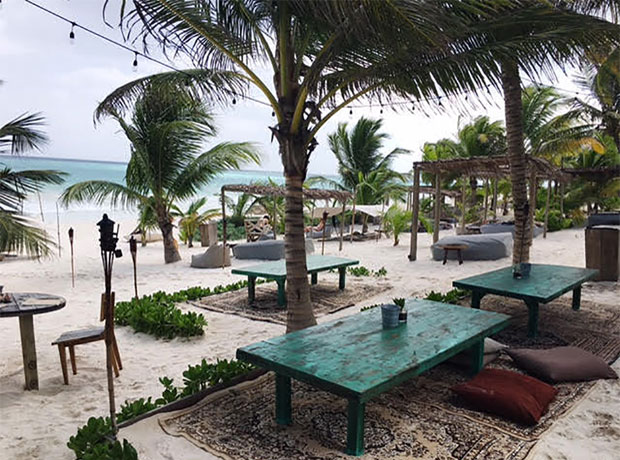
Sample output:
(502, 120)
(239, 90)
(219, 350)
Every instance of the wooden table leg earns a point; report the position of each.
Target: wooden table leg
(355, 428)
(251, 288)
(281, 293)
(342, 273)
(445, 256)
(63, 363)
(477, 357)
(460, 256)
(476, 297)
(577, 298)
(314, 278)
(29, 352)
(532, 323)
(283, 400)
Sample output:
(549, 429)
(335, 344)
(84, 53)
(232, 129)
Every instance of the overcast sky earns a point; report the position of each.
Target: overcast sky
(43, 72)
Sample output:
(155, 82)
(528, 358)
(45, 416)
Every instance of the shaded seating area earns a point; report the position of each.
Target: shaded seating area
(479, 247)
(488, 168)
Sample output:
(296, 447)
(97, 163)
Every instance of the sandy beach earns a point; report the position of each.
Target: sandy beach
(37, 424)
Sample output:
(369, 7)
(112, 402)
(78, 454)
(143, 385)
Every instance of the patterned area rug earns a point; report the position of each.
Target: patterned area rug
(326, 298)
(419, 419)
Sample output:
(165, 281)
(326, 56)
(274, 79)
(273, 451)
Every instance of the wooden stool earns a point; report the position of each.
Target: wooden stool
(453, 247)
(72, 338)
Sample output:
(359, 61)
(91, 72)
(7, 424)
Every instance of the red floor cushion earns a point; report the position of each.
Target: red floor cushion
(562, 364)
(517, 397)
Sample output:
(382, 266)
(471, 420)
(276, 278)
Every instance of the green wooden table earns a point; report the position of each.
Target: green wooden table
(545, 283)
(276, 270)
(354, 357)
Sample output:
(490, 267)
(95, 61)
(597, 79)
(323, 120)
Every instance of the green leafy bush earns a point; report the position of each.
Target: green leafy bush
(203, 375)
(453, 296)
(133, 409)
(358, 271)
(556, 220)
(94, 441)
(380, 273)
(233, 232)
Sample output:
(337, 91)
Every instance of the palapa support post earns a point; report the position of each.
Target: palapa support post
(486, 200)
(133, 249)
(437, 207)
(353, 215)
(72, 264)
(495, 181)
(381, 223)
(532, 213)
(108, 239)
(275, 218)
(223, 228)
(344, 208)
(464, 205)
(547, 209)
(415, 203)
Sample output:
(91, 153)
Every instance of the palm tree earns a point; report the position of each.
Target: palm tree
(551, 41)
(192, 218)
(167, 131)
(17, 233)
(325, 55)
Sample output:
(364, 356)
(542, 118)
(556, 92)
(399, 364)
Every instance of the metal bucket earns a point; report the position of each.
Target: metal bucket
(389, 315)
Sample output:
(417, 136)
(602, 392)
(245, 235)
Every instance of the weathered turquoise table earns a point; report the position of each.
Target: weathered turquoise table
(545, 283)
(354, 357)
(276, 270)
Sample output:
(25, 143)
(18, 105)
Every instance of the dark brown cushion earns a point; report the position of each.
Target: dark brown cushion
(517, 397)
(562, 364)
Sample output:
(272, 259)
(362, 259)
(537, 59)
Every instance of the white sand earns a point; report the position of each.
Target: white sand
(38, 424)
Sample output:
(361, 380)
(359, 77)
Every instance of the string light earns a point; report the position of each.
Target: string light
(72, 34)
(135, 62)
(234, 101)
(350, 111)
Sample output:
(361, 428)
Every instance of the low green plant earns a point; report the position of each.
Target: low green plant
(453, 296)
(370, 307)
(358, 271)
(203, 375)
(556, 221)
(94, 441)
(380, 273)
(399, 301)
(132, 409)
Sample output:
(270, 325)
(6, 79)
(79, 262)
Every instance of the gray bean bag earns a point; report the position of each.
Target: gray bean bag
(505, 228)
(211, 258)
(604, 218)
(266, 250)
(481, 247)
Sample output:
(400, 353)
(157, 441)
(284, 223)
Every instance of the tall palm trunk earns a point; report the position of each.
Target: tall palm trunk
(171, 248)
(300, 314)
(513, 107)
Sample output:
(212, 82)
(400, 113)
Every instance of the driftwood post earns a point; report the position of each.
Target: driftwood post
(495, 196)
(547, 208)
(353, 215)
(323, 239)
(486, 200)
(108, 239)
(72, 264)
(58, 230)
(133, 249)
(344, 208)
(415, 204)
(437, 207)
(223, 228)
(275, 217)
(532, 215)
(381, 223)
(464, 205)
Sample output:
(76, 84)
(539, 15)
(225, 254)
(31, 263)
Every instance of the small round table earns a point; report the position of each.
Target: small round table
(24, 305)
(453, 247)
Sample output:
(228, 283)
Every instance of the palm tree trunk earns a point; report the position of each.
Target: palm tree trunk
(300, 314)
(511, 84)
(171, 248)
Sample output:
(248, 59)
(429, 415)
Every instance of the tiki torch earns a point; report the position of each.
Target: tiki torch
(133, 248)
(72, 264)
(107, 241)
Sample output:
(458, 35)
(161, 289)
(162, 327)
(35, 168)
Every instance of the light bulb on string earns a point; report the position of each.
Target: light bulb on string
(381, 110)
(273, 114)
(234, 101)
(135, 62)
(350, 111)
(72, 34)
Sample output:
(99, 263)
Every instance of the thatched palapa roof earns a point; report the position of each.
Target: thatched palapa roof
(594, 174)
(309, 193)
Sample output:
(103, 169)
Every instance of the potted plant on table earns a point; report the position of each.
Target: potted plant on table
(402, 315)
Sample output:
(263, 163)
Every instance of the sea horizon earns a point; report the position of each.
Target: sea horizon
(44, 206)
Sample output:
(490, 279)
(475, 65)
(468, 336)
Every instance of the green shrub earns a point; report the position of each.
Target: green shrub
(94, 442)
(453, 296)
(358, 271)
(556, 220)
(233, 232)
(380, 273)
(203, 375)
(133, 409)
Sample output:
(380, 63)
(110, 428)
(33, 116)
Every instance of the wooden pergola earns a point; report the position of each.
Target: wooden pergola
(494, 167)
(274, 191)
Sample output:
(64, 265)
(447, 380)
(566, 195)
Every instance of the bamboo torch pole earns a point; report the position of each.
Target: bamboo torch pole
(72, 263)
(133, 248)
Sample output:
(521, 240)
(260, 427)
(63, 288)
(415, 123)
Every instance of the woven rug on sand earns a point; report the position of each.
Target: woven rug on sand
(419, 419)
(326, 298)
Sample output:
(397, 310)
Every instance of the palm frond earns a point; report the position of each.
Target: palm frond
(100, 192)
(23, 133)
(18, 234)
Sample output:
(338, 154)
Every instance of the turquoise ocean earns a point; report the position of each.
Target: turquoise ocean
(78, 171)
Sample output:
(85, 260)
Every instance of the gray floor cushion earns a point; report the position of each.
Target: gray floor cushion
(481, 247)
(506, 228)
(211, 258)
(265, 250)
